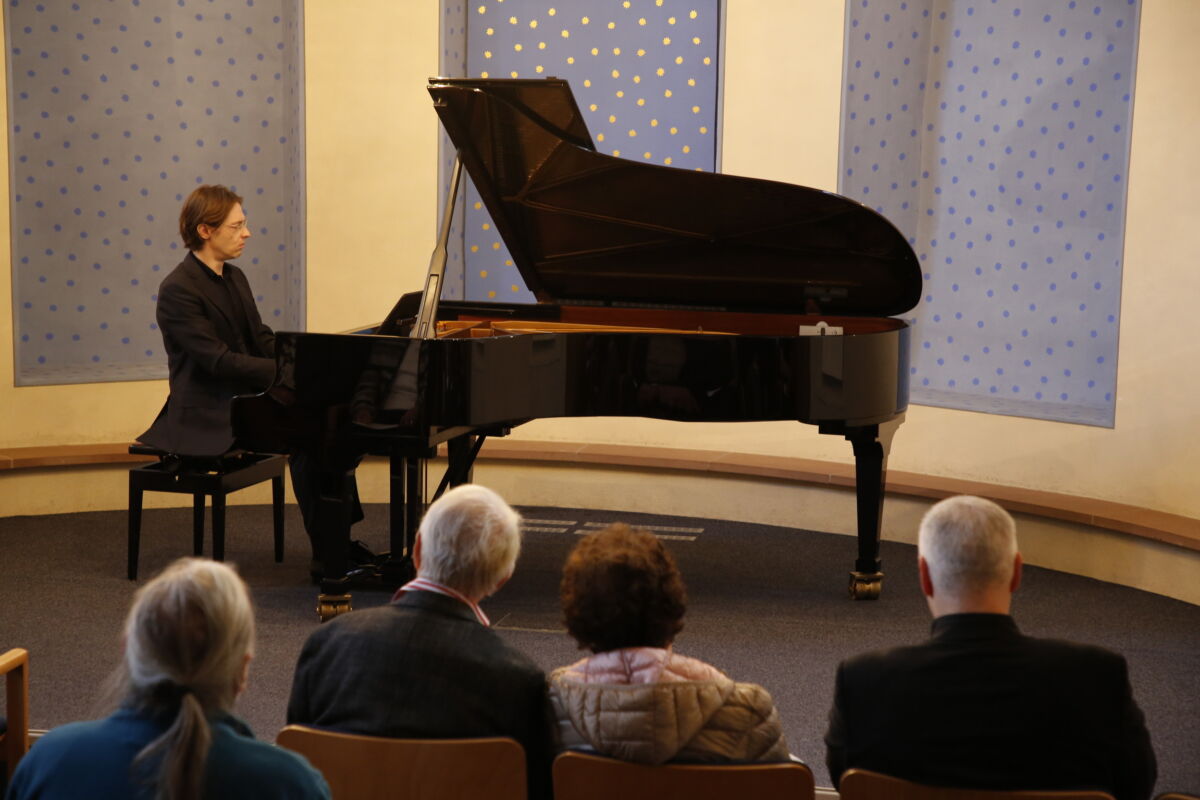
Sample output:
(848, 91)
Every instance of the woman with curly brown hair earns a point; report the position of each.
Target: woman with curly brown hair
(635, 698)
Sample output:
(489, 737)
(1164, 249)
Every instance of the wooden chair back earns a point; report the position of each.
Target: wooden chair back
(582, 776)
(375, 768)
(14, 743)
(861, 784)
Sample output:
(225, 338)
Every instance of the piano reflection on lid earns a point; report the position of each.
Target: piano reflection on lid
(662, 293)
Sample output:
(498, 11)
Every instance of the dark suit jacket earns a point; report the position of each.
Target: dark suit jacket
(982, 706)
(213, 353)
(423, 667)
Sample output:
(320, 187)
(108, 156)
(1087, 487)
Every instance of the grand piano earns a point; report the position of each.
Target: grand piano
(663, 293)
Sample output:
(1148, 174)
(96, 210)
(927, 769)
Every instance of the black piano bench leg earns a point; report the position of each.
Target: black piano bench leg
(218, 515)
(277, 515)
(198, 524)
(135, 529)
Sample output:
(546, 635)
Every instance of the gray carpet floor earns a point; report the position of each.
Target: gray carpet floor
(766, 604)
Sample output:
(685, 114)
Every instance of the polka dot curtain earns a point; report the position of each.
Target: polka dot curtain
(453, 48)
(644, 73)
(117, 111)
(995, 134)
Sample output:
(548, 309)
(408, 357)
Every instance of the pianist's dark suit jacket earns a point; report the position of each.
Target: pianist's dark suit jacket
(424, 667)
(982, 706)
(214, 351)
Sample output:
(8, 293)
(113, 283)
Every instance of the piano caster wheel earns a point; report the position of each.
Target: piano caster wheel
(865, 585)
(331, 605)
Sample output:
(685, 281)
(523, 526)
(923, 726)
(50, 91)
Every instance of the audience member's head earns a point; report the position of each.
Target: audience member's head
(188, 641)
(469, 540)
(621, 588)
(968, 557)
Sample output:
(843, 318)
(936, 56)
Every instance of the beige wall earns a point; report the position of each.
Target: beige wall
(372, 156)
(372, 204)
(371, 138)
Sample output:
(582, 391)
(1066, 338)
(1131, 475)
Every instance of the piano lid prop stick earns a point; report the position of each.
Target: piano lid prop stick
(437, 264)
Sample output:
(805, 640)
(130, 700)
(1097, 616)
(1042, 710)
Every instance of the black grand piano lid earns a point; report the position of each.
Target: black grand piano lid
(589, 228)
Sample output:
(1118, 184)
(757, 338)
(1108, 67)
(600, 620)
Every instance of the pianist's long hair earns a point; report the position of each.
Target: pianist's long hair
(188, 641)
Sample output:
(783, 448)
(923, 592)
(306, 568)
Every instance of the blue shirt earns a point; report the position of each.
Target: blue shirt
(92, 759)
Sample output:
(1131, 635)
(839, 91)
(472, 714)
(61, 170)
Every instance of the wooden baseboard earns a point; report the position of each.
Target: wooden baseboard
(1160, 526)
(68, 455)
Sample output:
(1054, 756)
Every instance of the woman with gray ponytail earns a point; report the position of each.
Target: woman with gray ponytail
(189, 638)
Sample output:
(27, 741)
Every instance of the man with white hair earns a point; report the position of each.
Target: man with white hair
(427, 665)
(981, 705)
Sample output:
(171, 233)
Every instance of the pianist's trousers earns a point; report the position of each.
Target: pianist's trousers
(327, 494)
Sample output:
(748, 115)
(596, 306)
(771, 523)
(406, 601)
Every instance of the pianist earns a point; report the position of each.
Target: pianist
(218, 347)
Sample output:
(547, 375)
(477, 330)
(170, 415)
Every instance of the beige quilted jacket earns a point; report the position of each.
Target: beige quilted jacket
(650, 706)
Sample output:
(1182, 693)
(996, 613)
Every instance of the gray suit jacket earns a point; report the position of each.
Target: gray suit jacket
(423, 667)
(213, 352)
(982, 706)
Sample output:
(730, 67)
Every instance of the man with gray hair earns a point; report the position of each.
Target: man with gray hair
(427, 665)
(981, 705)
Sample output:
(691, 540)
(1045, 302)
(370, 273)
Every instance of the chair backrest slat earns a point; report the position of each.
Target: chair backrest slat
(861, 784)
(14, 665)
(373, 767)
(582, 776)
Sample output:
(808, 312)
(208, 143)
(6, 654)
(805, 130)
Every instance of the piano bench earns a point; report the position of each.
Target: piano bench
(215, 477)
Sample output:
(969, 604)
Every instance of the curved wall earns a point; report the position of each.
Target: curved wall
(781, 122)
(371, 141)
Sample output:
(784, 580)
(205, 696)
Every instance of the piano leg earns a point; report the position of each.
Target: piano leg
(394, 568)
(407, 504)
(414, 505)
(397, 484)
(871, 444)
(407, 466)
(334, 520)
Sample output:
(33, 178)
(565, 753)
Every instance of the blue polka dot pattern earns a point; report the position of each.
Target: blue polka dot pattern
(645, 76)
(995, 134)
(118, 110)
(452, 43)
